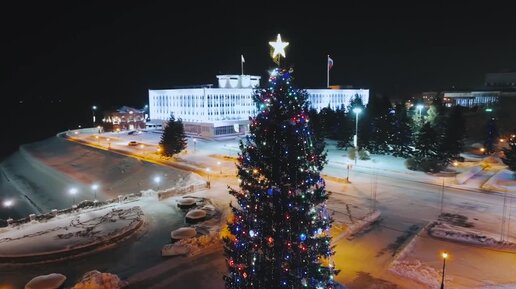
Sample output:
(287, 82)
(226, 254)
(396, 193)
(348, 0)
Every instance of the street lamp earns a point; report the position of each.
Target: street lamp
(208, 171)
(357, 111)
(194, 143)
(220, 168)
(94, 188)
(349, 167)
(7, 204)
(445, 256)
(109, 142)
(93, 108)
(419, 109)
(73, 192)
(157, 180)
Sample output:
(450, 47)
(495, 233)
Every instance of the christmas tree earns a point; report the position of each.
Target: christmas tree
(510, 155)
(173, 139)
(279, 233)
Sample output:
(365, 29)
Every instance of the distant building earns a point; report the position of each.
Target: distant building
(224, 111)
(501, 80)
(124, 118)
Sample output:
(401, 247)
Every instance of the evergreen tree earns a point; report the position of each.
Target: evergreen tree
(426, 155)
(173, 139)
(454, 133)
(379, 113)
(491, 136)
(401, 137)
(279, 232)
(510, 156)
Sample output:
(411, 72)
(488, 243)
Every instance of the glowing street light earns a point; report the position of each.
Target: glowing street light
(444, 255)
(220, 168)
(419, 109)
(357, 111)
(94, 188)
(208, 171)
(7, 204)
(73, 192)
(93, 109)
(157, 180)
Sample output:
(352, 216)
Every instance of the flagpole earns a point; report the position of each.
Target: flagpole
(328, 72)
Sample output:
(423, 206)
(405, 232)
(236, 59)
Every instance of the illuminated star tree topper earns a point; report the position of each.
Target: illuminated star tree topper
(278, 49)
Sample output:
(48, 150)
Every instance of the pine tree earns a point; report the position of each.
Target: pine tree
(454, 132)
(401, 137)
(279, 232)
(491, 136)
(380, 120)
(173, 139)
(510, 156)
(426, 155)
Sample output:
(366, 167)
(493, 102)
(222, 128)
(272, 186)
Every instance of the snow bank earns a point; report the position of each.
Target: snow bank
(502, 181)
(98, 280)
(186, 202)
(183, 233)
(359, 225)
(68, 234)
(466, 235)
(50, 281)
(468, 174)
(195, 215)
(416, 271)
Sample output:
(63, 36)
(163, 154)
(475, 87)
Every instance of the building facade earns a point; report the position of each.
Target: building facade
(124, 118)
(224, 111)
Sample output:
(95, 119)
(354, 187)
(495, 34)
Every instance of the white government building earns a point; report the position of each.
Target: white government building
(223, 112)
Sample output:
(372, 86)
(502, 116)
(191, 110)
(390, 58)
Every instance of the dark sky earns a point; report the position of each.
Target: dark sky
(96, 52)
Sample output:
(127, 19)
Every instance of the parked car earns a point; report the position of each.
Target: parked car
(132, 143)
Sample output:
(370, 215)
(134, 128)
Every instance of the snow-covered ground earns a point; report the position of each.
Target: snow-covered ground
(408, 201)
(77, 232)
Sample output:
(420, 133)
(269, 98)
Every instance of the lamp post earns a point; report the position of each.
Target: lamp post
(93, 108)
(357, 111)
(94, 188)
(208, 171)
(220, 168)
(7, 204)
(109, 142)
(73, 192)
(157, 180)
(445, 256)
(194, 143)
(419, 109)
(349, 167)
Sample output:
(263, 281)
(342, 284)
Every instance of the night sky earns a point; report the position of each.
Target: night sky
(109, 54)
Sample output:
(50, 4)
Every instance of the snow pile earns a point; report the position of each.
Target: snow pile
(468, 174)
(502, 181)
(68, 233)
(50, 281)
(195, 215)
(186, 202)
(359, 225)
(97, 280)
(195, 245)
(416, 271)
(465, 235)
(183, 233)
